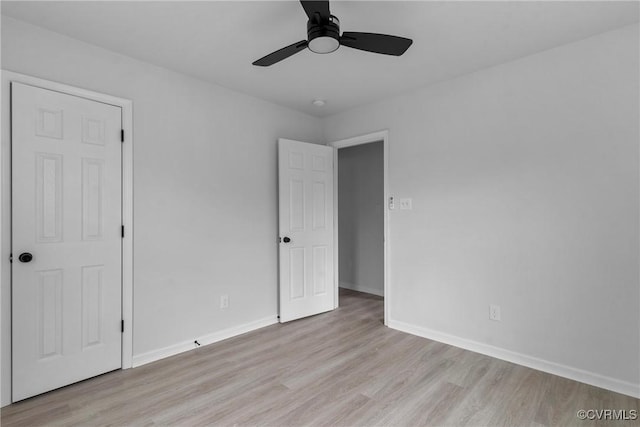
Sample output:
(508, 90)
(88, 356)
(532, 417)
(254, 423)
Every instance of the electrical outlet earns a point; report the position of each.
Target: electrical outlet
(224, 301)
(392, 204)
(406, 204)
(494, 312)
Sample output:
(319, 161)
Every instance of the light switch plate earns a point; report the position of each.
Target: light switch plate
(406, 204)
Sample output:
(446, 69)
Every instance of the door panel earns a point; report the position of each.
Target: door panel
(306, 218)
(66, 211)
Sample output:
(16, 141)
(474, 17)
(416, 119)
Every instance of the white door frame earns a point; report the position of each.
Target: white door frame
(127, 192)
(383, 136)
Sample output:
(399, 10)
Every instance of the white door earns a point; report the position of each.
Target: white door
(66, 213)
(306, 229)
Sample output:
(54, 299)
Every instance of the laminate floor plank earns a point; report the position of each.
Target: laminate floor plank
(341, 368)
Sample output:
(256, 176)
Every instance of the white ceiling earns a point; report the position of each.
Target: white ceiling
(217, 41)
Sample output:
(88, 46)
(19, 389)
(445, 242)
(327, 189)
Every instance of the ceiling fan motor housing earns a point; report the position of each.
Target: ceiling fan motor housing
(323, 37)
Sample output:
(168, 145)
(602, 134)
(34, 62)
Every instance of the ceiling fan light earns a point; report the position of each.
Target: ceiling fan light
(323, 44)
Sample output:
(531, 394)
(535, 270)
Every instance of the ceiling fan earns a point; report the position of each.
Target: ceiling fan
(323, 36)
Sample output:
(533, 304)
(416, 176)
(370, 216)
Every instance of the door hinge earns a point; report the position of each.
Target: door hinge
(122, 231)
(11, 258)
(121, 135)
(122, 325)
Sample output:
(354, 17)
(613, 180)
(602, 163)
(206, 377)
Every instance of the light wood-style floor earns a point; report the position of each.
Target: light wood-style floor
(342, 368)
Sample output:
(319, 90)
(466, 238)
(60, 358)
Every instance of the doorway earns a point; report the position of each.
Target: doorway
(361, 216)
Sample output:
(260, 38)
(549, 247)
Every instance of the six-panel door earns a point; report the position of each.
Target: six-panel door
(66, 213)
(306, 229)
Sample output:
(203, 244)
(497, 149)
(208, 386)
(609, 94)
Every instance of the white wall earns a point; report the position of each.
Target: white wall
(525, 187)
(361, 217)
(204, 188)
(524, 179)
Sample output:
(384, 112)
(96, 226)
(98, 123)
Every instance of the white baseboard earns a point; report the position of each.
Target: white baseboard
(597, 380)
(355, 287)
(152, 356)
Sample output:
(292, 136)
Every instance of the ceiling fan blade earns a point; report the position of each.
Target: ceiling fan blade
(378, 43)
(313, 7)
(281, 54)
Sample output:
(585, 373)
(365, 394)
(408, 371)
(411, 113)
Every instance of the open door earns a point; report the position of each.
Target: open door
(306, 229)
